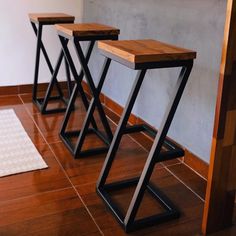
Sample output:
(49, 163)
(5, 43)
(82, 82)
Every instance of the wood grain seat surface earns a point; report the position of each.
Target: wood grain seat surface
(51, 18)
(143, 51)
(86, 30)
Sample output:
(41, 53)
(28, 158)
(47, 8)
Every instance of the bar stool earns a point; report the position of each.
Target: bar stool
(78, 33)
(142, 55)
(43, 19)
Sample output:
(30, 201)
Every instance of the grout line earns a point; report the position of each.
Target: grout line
(194, 171)
(184, 184)
(146, 150)
(10, 95)
(171, 165)
(88, 211)
(56, 142)
(34, 195)
(166, 166)
(90, 214)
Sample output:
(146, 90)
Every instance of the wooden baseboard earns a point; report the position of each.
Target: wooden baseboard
(196, 163)
(114, 110)
(26, 88)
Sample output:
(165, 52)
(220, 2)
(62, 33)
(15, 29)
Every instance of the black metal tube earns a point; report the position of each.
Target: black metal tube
(37, 59)
(93, 89)
(77, 87)
(119, 131)
(91, 109)
(156, 147)
(68, 77)
(52, 82)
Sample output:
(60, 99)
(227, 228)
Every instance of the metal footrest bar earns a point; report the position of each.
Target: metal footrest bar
(171, 211)
(39, 103)
(68, 135)
(172, 150)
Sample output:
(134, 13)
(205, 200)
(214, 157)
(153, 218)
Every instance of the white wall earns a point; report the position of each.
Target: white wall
(194, 24)
(18, 42)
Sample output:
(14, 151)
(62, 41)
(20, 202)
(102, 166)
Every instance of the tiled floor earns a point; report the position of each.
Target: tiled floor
(61, 200)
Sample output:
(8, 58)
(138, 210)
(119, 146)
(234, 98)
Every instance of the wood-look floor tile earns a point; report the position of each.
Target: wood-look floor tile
(50, 124)
(27, 98)
(8, 101)
(30, 106)
(191, 179)
(52, 213)
(129, 162)
(30, 183)
(37, 203)
(190, 206)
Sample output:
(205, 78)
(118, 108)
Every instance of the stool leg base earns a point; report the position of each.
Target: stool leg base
(66, 138)
(39, 103)
(171, 211)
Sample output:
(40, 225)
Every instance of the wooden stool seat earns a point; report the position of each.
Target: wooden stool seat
(51, 18)
(132, 52)
(86, 30)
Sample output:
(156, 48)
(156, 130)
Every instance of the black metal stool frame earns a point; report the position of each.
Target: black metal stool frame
(142, 183)
(94, 103)
(42, 103)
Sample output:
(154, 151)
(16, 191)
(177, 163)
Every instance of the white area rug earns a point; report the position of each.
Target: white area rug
(17, 152)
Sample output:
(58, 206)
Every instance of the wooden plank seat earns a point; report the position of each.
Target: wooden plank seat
(51, 18)
(133, 52)
(86, 30)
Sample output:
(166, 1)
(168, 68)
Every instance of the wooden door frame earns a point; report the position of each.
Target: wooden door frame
(220, 194)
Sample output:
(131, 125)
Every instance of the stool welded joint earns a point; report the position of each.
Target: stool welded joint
(142, 55)
(38, 20)
(77, 33)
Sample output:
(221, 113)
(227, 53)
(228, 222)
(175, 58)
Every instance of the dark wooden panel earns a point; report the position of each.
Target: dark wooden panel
(221, 186)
